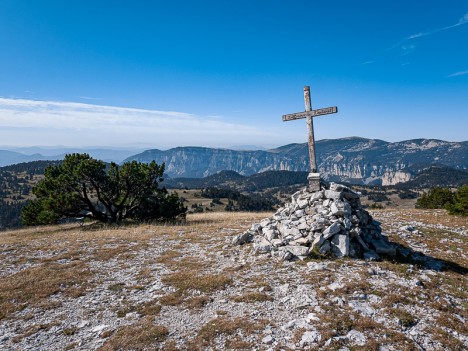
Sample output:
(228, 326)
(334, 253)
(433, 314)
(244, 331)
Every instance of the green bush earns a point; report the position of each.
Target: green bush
(435, 198)
(459, 205)
(85, 187)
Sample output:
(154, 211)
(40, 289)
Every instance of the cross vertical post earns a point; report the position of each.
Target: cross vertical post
(310, 127)
(314, 176)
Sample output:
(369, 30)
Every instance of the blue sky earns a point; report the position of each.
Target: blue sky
(217, 73)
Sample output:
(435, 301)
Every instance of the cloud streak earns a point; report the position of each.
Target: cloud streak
(460, 22)
(79, 124)
(463, 20)
(461, 73)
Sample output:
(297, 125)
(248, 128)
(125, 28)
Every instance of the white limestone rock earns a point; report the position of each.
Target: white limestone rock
(335, 228)
(297, 250)
(309, 338)
(331, 220)
(262, 246)
(334, 195)
(243, 238)
(340, 208)
(268, 340)
(318, 195)
(318, 241)
(340, 245)
(269, 234)
(256, 227)
(301, 204)
(347, 224)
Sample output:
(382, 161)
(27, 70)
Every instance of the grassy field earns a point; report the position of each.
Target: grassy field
(183, 287)
(193, 199)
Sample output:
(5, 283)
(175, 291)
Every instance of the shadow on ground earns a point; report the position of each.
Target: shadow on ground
(407, 255)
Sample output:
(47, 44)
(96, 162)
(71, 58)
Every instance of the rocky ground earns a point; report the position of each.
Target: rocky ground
(184, 287)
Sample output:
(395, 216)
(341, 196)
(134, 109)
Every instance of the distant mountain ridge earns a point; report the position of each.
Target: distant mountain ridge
(426, 178)
(233, 180)
(13, 156)
(354, 160)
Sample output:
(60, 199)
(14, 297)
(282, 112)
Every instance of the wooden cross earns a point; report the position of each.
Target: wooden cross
(314, 176)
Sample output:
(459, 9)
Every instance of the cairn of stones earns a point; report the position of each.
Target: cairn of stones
(330, 222)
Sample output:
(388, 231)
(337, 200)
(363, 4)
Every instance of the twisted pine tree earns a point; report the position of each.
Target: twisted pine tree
(85, 187)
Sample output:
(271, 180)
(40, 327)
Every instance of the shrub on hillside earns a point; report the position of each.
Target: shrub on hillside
(407, 194)
(459, 205)
(435, 198)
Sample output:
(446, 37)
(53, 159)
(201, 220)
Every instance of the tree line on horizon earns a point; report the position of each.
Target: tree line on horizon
(66, 185)
(456, 203)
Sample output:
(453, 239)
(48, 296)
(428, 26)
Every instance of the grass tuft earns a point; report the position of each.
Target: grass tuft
(185, 281)
(141, 336)
(252, 297)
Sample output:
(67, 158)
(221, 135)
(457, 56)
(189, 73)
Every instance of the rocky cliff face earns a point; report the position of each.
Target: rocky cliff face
(355, 160)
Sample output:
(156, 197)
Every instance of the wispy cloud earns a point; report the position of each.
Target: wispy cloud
(402, 43)
(407, 49)
(461, 73)
(51, 122)
(460, 22)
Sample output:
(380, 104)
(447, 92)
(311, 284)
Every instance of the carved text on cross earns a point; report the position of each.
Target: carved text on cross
(309, 114)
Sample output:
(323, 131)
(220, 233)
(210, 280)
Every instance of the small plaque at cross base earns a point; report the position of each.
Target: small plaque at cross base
(314, 182)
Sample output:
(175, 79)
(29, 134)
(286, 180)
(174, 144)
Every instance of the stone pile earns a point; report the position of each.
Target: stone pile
(330, 221)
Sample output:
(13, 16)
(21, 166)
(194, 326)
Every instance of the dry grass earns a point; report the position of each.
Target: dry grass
(189, 282)
(34, 285)
(141, 336)
(69, 255)
(52, 260)
(432, 217)
(185, 281)
(223, 326)
(58, 254)
(448, 320)
(150, 308)
(405, 319)
(258, 282)
(353, 286)
(204, 225)
(252, 297)
(168, 256)
(448, 340)
(108, 253)
(173, 299)
(197, 302)
(335, 322)
(393, 298)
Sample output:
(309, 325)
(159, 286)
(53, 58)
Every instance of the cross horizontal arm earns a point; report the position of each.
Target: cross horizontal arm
(297, 115)
(312, 113)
